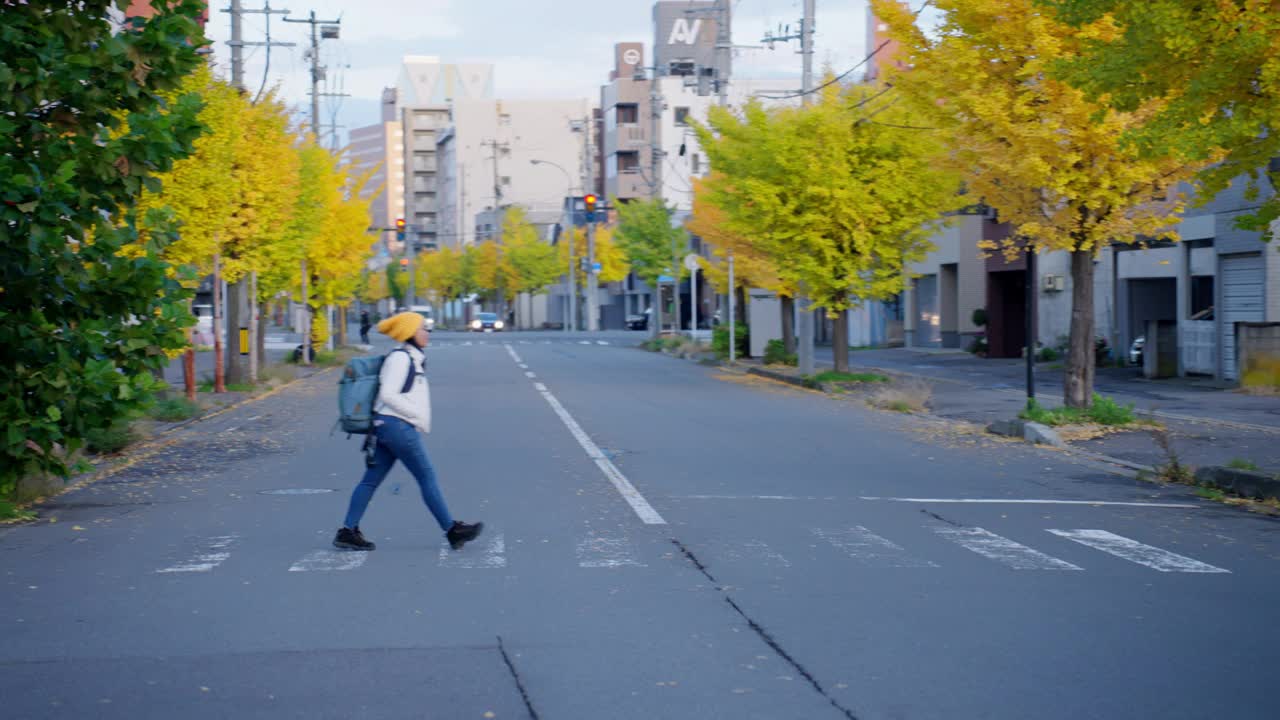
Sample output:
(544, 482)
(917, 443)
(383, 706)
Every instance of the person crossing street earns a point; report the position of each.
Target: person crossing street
(402, 411)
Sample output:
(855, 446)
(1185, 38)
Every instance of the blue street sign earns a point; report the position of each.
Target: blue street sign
(595, 267)
(665, 278)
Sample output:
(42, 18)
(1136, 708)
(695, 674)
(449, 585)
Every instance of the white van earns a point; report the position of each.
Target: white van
(425, 311)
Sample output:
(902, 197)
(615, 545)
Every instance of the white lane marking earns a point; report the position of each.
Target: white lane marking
(752, 497)
(330, 561)
(1007, 501)
(870, 549)
(529, 374)
(512, 352)
(606, 552)
(602, 342)
(211, 556)
(523, 366)
(624, 487)
(493, 555)
(1136, 552)
(584, 342)
(1003, 550)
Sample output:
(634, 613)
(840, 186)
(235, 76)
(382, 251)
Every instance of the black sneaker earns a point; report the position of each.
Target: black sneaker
(462, 533)
(349, 539)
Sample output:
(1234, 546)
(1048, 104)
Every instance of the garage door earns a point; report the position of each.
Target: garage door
(1241, 302)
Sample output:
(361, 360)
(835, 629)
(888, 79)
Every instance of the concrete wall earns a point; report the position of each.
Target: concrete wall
(960, 267)
(525, 130)
(1259, 347)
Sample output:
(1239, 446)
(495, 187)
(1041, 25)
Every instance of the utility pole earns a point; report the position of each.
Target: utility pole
(241, 300)
(497, 147)
(593, 279)
(317, 73)
(804, 352)
(329, 31)
(656, 155)
(724, 50)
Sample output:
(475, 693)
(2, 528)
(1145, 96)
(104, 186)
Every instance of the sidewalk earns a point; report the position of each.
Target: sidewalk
(1207, 425)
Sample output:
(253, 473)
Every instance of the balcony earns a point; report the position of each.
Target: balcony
(632, 137)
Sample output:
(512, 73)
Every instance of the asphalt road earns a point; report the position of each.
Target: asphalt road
(663, 540)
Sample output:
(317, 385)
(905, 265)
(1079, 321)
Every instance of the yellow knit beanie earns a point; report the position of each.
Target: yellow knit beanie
(401, 327)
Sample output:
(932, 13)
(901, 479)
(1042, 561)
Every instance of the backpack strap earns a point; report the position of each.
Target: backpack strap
(413, 371)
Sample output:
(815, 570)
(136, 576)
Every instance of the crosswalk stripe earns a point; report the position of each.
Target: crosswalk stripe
(1136, 552)
(330, 561)
(1003, 550)
(754, 551)
(870, 549)
(492, 556)
(606, 552)
(211, 556)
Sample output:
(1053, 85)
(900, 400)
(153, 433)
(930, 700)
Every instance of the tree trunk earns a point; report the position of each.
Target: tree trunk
(788, 306)
(840, 340)
(189, 360)
(219, 378)
(342, 325)
(237, 297)
(189, 373)
(1078, 387)
(264, 311)
(740, 305)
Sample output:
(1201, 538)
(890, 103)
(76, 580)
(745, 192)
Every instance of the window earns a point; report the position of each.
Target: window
(506, 179)
(628, 113)
(697, 164)
(1201, 297)
(682, 116)
(504, 119)
(628, 162)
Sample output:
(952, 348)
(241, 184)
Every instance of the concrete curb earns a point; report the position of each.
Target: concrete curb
(1244, 483)
(1032, 432)
(785, 378)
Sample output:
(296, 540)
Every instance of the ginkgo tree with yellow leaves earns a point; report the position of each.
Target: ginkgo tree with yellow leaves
(752, 268)
(835, 197)
(1053, 163)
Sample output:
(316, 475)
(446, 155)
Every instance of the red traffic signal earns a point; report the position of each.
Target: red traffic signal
(399, 224)
(404, 262)
(590, 201)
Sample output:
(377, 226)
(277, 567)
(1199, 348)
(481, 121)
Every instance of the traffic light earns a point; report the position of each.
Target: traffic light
(399, 229)
(590, 202)
(404, 262)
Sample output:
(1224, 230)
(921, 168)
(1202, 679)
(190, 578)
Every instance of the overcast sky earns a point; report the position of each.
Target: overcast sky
(540, 48)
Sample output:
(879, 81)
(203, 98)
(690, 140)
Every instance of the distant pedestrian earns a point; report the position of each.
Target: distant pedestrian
(365, 324)
(403, 408)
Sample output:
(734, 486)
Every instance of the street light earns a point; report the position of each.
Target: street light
(571, 309)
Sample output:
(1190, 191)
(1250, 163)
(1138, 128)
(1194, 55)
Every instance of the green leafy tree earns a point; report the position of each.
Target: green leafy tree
(844, 204)
(531, 264)
(87, 123)
(1053, 162)
(653, 247)
(1213, 68)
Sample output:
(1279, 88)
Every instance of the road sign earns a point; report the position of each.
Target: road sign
(665, 278)
(595, 267)
(691, 262)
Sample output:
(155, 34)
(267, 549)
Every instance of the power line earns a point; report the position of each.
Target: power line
(846, 73)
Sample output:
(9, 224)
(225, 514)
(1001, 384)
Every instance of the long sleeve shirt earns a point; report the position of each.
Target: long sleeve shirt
(414, 406)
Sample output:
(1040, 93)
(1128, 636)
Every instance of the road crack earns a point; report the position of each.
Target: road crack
(515, 675)
(764, 634)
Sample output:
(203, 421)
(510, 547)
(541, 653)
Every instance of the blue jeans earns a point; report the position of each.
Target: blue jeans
(398, 440)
